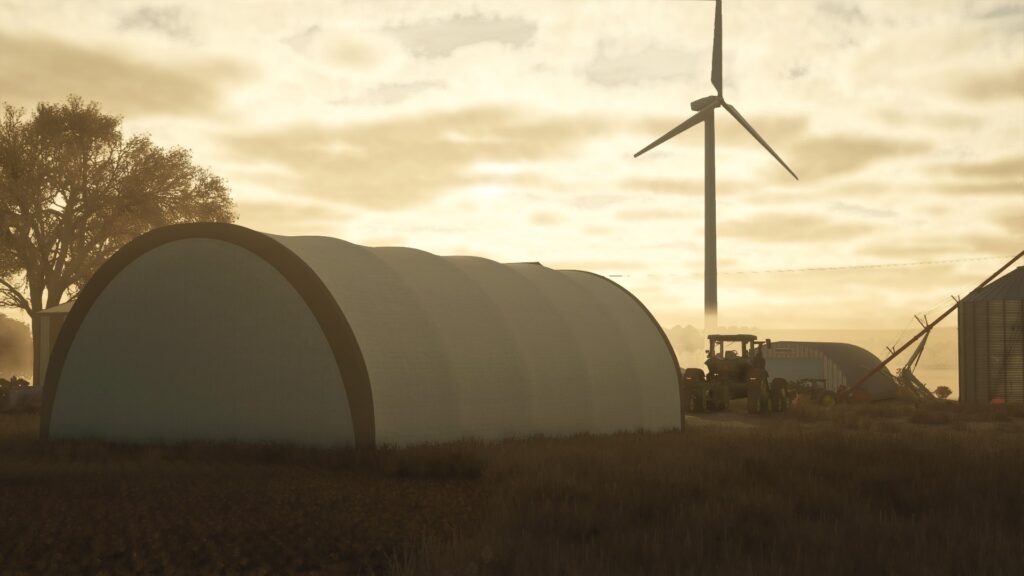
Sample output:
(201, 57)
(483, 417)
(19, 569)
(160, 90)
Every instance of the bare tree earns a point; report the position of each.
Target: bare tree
(73, 190)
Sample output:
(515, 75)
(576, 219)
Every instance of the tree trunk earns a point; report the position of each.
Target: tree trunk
(35, 292)
(53, 295)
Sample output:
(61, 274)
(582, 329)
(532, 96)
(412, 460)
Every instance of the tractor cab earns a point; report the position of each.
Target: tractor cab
(731, 356)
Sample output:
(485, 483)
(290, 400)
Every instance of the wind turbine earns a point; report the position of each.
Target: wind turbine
(705, 112)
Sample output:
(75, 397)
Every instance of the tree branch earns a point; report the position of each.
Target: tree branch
(14, 296)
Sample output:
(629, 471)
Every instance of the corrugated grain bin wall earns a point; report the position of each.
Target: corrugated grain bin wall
(991, 329)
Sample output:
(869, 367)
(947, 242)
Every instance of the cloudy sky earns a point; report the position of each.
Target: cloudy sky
(506, 130)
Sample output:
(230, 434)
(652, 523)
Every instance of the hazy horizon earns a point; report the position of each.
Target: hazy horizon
(506, 130)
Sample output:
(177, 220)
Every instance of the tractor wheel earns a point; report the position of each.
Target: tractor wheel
(753, 404)
(698, 402)
(717, 398)
(777, 392)
(783, 403)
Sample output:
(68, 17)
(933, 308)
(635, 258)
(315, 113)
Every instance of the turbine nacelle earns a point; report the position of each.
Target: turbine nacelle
(702, 103)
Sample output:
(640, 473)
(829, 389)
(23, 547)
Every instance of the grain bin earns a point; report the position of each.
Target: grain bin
(992, 342)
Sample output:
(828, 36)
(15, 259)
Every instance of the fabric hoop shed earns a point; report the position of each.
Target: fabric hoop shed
(219, 332)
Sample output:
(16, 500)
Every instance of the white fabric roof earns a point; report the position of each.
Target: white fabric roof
(426, 348)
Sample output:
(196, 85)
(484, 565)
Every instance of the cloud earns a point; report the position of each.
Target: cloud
(996, 177)
(1011, 219)
(47, 69)
(777, 226)
(990, 85)
(290, 217)
(798, 71)
(597, 201)
(302, 40)
(345, 51)
(1008, 188)
(598, 230)
(1008, 168)
(435, 38)
(823, 157)
(843, 12)
(1004, 11)
(166, 20)
(391, 92)
(937, 246)
(349, 53)
(861, 210)
(399, 162)
(609, 68)
(646, 214)
(546, 219)
(688, 187)
(989, 242)
(945, 119)
(906, 248)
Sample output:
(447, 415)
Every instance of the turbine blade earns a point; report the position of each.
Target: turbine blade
(716, 52)
(736, 114)
(689, 123)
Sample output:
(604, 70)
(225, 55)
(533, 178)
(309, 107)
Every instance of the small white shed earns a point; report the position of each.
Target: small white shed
(46, 325)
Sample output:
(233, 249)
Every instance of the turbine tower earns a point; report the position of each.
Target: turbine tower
(705, 112)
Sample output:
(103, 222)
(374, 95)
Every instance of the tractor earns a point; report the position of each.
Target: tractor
(735, 369)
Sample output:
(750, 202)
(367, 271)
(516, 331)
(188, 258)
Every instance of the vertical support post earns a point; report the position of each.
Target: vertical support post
(37, 345)
(710, 230)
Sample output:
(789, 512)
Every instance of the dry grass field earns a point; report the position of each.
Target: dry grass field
(880, 489)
